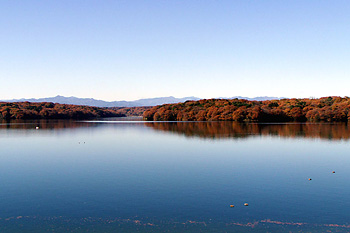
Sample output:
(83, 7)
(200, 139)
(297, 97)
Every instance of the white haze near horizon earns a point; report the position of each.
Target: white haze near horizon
(129, 50)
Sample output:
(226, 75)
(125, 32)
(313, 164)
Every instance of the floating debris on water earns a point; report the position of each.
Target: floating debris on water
(245, 204)
(232, 206)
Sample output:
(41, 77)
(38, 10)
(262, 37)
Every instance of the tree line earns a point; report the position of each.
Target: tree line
(327, 109)
(130, 111)
(47, 110)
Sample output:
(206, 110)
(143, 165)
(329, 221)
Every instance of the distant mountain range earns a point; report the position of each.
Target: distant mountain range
(136, 103)
(260, 98)
(101, 103)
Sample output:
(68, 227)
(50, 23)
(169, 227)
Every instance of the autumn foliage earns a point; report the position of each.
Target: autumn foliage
(130, 111)
(46, 110)
(328, 109)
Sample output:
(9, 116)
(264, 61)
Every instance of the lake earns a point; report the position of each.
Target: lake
(124, 175)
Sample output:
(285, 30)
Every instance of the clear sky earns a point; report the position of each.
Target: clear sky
(128, 49)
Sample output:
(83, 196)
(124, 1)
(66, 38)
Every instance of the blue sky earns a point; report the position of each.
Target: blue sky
(126, 50)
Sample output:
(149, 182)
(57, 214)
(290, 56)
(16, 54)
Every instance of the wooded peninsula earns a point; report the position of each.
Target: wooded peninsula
(326, 109)
(47, 110)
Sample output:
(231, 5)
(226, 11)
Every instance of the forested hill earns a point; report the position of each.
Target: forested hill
(130, 111)
(329, 109)
(46, 110)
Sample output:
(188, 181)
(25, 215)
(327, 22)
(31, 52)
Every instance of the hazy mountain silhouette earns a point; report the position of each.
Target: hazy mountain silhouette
(136, 103)
(101, 103)
(260, 98)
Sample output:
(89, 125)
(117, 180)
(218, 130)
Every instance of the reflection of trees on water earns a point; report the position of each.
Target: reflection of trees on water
(42, 124)
(237, 130)
(224, 129)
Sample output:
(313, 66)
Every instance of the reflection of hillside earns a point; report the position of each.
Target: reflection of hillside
(236, 130)
(42, 124)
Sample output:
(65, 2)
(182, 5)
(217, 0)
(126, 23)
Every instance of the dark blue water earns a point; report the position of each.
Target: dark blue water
(173, 177)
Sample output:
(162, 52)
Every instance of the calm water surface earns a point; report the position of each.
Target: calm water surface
(131, 176)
